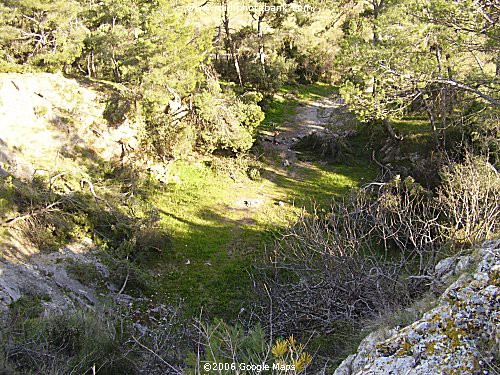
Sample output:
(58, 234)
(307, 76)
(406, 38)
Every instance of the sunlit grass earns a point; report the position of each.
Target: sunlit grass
(216, 238)
(416, 133)
(308, 93)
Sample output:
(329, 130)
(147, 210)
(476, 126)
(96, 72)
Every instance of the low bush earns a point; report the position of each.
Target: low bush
(62, 343)
(231, 345)
(126, 230)
(214, 120)
(334, 147)
(376, 249)
(226, 122)
(354, 261)
(86, 273)
(236, 167)
(468, 197)
(112, 341)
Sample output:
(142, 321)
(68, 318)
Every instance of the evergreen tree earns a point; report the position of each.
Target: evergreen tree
(430, 52)
(41, 34)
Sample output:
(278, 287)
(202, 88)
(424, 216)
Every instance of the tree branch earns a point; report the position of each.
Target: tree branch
(463, 86)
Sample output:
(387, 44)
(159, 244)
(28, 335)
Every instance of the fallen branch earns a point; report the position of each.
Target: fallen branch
(156, 355)
(49, 208)
(91, 187)
(463, 86)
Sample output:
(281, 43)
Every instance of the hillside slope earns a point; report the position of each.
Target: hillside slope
(46, 117)
(51, 129)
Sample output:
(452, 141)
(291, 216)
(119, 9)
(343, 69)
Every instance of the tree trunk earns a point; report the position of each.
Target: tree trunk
(432, 120)
(230, 44)
(261, 39)
(390, 130)
(89, 71)
(377, 6)
(444, 117)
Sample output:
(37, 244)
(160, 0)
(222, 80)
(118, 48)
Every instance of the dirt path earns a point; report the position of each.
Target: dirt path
(282, 159)
(309, 118)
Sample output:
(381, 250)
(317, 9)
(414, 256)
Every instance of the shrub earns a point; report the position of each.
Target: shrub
(40, 217)
(226, 122)
(86, 273)
(168, 139)
(29, 306)
(235, 167)
(334, 146)
(216, 120)
(118, 106)
(483, 128)
(228, 345)
(377, 248)
(253, 174)
(66, 342)
(276, 72)
(315, 63)
(468, 196)
(125, 273)
(355, 261)
(126, 230)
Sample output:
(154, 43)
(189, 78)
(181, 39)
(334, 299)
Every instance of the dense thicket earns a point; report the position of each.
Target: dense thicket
(435, 57)
(393, 57)
(150, 50)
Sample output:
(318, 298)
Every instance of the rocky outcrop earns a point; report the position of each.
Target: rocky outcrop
(56, 128)
(46, 275)
(460, 335)
(46, 118)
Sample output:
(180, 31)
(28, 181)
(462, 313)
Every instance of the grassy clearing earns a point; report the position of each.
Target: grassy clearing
(220, 225)
(216, 237)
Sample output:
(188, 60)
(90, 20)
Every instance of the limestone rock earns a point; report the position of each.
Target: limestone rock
(447, 338)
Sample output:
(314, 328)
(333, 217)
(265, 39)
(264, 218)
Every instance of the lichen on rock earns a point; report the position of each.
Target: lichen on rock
(459, 336)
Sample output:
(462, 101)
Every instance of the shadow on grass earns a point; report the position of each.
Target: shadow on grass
(210, 266)
(214, 248)
(310, 183)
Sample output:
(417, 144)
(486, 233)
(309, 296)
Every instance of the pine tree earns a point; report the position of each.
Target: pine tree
(40, 34)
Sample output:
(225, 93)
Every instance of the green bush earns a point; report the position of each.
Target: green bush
(483, 128)
(29, 306)
(226, 122)
(314, 63)
(35, 209)
(67, 342)
(228, 345)
(118, 106)
(276, 72)
(225, 343)
(235, 167)
(86, 273)
(7, 190)
(29, 23)
(168, 139)
(218, 120)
